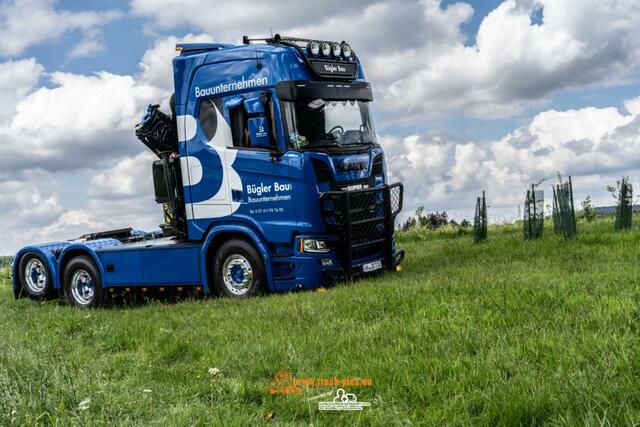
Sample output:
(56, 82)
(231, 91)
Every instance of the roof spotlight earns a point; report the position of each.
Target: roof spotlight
(313, 47)
(336, 49)
(346, 50)
(326, 49)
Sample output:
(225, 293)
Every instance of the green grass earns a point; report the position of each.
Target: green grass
(501, 332)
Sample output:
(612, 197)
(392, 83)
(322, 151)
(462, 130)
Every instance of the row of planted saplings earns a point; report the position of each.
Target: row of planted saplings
(563, 210)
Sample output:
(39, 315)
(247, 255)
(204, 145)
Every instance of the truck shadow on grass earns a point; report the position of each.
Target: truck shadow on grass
(130, 299)
(135, 298)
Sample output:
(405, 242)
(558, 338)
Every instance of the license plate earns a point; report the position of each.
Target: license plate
(372, 266)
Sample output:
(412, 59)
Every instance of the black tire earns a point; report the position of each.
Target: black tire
(81, 271)
(38, 283)
(242, 258)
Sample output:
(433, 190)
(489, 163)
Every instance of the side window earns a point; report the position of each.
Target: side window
(209, 118)
(239, 127)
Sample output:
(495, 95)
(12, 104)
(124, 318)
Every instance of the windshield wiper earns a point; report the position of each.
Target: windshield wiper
(328, 139)
(362, 141)
(328, 144)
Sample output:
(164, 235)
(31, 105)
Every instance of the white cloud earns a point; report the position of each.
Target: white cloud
(28, 22)
(25, 205)
(35, 208)
(515, 64)
(89, 104)
(78, 123)
(226, 18)
(397, 26)
(633, 106)
(129, 178)
(89, 46)
(595, 145)
(119, 196)
(17, 78)
(468, 163)
(586, 141)
(90, 116)
(75, 124)
(156, 65)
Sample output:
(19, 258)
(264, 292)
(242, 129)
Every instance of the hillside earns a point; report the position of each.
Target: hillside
(502, 332)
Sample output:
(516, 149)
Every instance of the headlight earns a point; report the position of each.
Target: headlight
(326, 49)
(314, 47)
(313, 245)
(346, 50)
(336, 49)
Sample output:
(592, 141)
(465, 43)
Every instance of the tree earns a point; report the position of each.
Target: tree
(430, 221)
(623, 194)
(409, 224)
(434, 220)
(588, 211)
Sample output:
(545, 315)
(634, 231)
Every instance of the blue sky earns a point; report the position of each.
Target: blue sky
(470, 95)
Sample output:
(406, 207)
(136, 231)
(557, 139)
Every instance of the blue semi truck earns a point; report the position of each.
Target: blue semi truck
(269, 176)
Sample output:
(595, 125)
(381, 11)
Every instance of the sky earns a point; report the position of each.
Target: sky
(469, 96)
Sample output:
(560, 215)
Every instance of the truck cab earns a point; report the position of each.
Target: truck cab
(269, 173)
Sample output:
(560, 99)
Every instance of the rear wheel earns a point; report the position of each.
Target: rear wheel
(35, 276)
(82, 283)
(238, 270)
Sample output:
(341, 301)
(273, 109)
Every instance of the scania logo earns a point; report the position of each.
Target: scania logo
(352, 166)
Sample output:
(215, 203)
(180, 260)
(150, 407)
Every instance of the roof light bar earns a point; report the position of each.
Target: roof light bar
(313, 47)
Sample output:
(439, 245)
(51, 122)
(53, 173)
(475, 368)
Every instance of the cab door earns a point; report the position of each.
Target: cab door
(211, 171)
(266, 194)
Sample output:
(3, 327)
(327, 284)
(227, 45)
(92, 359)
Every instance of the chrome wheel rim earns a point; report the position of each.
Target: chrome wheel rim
(237, 274)
(82, 287)
(35, 275)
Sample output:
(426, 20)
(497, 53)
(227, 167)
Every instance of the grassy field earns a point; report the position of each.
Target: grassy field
(502, 332)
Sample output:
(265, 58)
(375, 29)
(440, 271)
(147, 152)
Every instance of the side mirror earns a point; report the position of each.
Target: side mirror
(160, 181)
(254, 106)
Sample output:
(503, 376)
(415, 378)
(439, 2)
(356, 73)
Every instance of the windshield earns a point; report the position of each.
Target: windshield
(321, 123)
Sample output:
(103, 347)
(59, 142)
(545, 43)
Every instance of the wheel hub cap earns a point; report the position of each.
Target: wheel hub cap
(237, 274)
(35, 275)
(82, 287)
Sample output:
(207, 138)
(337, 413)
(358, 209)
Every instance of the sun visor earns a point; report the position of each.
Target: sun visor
(297, 90)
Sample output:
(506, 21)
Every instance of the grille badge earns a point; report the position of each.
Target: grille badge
(344, 166)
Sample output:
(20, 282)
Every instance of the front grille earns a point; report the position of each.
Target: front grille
(368, 251)
(363, 221)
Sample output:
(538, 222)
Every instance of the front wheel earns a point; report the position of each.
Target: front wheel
(238, 270)
(82, 284)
